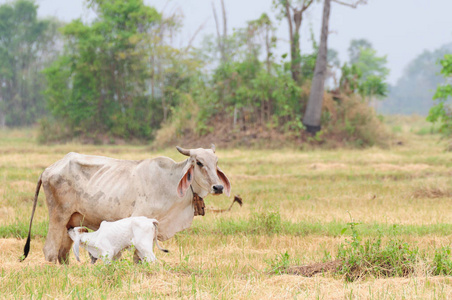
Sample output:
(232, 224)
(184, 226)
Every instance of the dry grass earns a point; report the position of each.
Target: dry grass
(437, 190)
(223, 255)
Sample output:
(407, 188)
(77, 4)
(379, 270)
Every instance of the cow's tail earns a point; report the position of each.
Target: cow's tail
(74, 234)
(27, 244)
(156, 225)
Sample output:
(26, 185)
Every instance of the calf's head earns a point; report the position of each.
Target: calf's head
(203, 173)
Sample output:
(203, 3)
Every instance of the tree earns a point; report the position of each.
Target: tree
(355, 48)
(294, 16)
(442, 112)
(99, 85)
(366, 72)
(26, 47)
(311, 119)
(313, 112)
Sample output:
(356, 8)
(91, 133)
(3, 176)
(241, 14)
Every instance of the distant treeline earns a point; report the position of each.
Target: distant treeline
(119, 76)
(413, 92)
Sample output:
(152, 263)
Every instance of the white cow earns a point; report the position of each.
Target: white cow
(113, 237)
(84, 190)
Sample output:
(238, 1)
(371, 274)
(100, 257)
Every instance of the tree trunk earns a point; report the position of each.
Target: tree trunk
(294, 35)
(313, 112)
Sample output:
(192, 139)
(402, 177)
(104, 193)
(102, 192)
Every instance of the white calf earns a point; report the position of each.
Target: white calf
(113, 237)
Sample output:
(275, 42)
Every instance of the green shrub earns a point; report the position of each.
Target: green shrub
(371, 258)
(279, 264)
(442, 263)
(266, 222)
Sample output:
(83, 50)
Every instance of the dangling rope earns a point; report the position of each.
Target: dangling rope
(198, 204)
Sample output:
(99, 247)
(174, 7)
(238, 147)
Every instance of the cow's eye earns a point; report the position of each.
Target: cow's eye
(199, 164)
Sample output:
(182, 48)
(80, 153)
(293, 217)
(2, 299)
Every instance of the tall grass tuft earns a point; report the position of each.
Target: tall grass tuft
(371, 258)
(442, 262)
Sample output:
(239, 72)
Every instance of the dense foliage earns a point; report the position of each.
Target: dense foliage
(365, 73)
(442, 111)
(27, 45)
(98, 84)
(120, 77)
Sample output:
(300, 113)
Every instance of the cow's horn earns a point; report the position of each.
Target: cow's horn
(183, 151)
(212, 147)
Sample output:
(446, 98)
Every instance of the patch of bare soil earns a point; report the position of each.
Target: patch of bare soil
(224, 134)
(313, 269)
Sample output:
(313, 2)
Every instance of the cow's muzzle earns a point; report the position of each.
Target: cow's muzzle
(217, 189)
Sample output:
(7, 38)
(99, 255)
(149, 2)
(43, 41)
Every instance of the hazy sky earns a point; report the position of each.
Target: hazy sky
(400, 29)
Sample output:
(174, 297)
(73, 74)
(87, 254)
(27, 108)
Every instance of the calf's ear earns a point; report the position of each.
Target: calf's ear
(82, 230)
(225, 180)
(185, 181)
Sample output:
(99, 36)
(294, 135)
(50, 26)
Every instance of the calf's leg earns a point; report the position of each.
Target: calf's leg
(93, 259)
(136, 257)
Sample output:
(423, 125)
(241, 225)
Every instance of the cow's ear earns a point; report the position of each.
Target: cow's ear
(225, 180)
(185, 181)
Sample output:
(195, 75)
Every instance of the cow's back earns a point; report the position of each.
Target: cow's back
(97, 187)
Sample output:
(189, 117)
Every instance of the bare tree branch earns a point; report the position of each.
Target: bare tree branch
(195, 34)
(352, 5)
(220, 39)
(225, 27)
(288, 4)
(305, 6)
(289, 20)
(216, 20)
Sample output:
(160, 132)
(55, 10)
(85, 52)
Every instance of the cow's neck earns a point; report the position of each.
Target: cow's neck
(196, 188)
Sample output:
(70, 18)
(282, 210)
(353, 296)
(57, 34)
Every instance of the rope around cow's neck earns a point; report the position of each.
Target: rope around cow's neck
(198, 204)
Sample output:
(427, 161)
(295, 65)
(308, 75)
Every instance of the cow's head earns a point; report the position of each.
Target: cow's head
(203, 173)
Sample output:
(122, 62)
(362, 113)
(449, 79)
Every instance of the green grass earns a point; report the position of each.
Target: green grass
(268, 223)
(20, 230)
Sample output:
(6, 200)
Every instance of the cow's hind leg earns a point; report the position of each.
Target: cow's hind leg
(53, 241)
(65, 249)
(58, 243)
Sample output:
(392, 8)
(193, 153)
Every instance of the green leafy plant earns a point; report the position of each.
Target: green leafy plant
(442, 112)
(279, 264)
(442, 262)
(371, 258)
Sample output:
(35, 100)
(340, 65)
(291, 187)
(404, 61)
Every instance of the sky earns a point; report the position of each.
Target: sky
(399, 29)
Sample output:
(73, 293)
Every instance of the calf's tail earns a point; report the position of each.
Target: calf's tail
(156, 225)
(27, 244)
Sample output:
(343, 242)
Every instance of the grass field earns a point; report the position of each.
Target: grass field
(296, 205)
